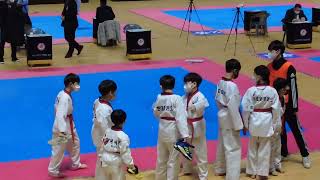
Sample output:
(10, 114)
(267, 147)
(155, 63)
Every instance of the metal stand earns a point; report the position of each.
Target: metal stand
(236, 23)
(191, 8)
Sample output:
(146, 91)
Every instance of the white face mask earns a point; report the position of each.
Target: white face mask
(187, 88)
(272, 55)
(76, 88)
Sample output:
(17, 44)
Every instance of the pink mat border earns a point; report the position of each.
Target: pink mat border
(157, 14)
(37, 169)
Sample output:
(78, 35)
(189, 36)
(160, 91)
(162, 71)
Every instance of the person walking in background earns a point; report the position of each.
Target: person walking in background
(70, 24)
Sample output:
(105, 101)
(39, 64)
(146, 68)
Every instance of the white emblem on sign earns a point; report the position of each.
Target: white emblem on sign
(141, 42)
(41, 46)
(303, 32)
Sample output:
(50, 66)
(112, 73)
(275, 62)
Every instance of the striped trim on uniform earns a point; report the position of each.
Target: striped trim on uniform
(294, 90)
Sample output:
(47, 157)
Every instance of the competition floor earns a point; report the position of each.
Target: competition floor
(218, 17)
(29, 97)
(28, 94)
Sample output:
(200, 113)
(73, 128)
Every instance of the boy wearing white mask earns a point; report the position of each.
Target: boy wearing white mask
(195, 103)
(261, 112)
(64, 127)
(228, 99)
(102, 110)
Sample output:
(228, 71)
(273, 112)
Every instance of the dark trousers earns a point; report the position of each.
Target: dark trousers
(295, 127)
(70, 35)
(13, 50)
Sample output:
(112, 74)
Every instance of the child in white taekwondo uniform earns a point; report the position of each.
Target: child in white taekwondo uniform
(195, 103)
(281, 85)
(64, 127)
(261, 111)
(115, 151)
(228, 157)
(102, 110)
(172, 115)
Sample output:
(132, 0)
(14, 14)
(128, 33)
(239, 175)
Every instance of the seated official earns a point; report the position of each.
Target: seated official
(108, 29)
(104, 12)
(295, 14)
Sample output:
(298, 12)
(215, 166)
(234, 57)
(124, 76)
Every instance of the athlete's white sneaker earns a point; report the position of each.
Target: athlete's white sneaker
(306, 162)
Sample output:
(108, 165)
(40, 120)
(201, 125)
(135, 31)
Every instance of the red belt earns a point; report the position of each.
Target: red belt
(263, 110)
(70, 116)
(168, 118)
(190, 122)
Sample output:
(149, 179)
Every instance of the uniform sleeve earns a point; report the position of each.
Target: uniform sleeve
(201, 104)
(125, 152)
(181, 118)
(233, 107)
(276, 111)
(103, 118)
(156, 112)
(61, 113)
(293, 93)
(247, 108)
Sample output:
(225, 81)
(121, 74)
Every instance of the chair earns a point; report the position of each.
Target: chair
(259, 22)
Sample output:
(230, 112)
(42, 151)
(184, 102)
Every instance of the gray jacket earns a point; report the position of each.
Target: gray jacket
(108, 30)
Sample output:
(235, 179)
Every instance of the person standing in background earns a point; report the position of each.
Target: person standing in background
(14, 31)
(70, 24)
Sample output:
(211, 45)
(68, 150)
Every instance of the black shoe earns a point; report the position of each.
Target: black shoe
(80, 49)
(68, 55)
(114, 42)
(1, 61)
(15, 59)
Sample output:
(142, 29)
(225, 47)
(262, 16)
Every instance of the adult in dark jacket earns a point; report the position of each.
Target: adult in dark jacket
(104, 12)
(277, 67)
(14, 28)
(294, 14)
(70, 24)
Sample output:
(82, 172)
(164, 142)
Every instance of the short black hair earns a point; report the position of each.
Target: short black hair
(71, 78)
(232, 64)
(167, 82)
(264, 72)
(107, 86)
(277, 45)
(193, 77)
(103, 1)
(297, 6)
(118, 117)
(280, 83)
